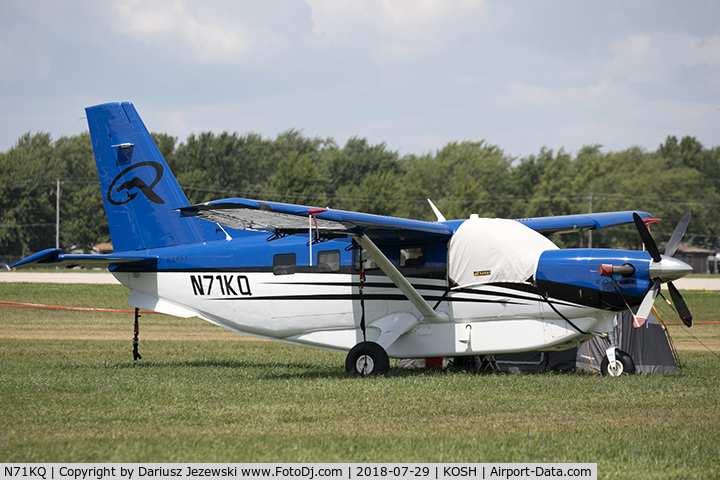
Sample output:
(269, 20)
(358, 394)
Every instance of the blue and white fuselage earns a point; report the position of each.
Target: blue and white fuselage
(372, 285)
(233, 284)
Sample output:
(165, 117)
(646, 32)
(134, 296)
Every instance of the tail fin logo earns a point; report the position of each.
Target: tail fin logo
(128, 190)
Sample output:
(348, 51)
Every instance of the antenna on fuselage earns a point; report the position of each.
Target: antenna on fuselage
(440, 216)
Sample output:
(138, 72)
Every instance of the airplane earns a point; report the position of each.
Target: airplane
(374, 286)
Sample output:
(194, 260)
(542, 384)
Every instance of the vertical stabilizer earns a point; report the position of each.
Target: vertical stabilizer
(139, 191)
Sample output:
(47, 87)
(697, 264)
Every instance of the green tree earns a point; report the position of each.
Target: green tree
(82, 216)
(296, 180)
(27, 195)
(377, 193)
(360, 176)
(687, 179)
(554, 193)
(166, 145)
(357, 159)
(461, 179)
(209, 166)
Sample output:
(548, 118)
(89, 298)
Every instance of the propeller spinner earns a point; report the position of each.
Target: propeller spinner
(664, 268)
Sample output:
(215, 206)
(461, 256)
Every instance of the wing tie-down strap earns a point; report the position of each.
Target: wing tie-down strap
(547, 300)
(136, 355)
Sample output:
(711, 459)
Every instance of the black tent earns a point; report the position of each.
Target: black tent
(649, 346)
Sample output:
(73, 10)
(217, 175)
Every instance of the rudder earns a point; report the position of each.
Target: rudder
(140, 193)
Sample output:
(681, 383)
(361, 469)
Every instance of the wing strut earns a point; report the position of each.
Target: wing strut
(399, 280)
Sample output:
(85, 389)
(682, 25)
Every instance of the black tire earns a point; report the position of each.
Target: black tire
(626, 366)
(367, 358)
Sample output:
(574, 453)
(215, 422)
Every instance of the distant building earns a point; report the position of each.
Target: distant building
(103, 247)
(697, 258)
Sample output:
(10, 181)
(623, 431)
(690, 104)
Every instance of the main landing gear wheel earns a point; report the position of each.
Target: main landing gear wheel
(624, 365)
(367, 358)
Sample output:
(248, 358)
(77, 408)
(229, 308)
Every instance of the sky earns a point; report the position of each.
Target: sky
(412, 74)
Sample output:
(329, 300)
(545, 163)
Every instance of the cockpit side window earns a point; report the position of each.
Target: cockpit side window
(367, 262)
(284, 264)
(412, 255)
(328, 261)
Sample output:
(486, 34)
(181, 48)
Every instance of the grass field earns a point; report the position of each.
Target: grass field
(70, 392)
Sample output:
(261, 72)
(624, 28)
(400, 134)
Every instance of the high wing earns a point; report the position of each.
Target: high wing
(55, 258)
(284, 218)
(583, 221)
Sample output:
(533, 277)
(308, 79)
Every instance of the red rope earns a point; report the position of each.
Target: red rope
(86, 309)
(313, 212)
(694, 323)
(58, 307)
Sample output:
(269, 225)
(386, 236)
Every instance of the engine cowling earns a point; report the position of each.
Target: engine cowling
(597, 278)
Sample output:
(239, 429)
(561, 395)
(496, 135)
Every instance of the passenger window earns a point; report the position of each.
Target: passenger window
(367, 262)
(284, 264)
(412, 256)
(328, 261)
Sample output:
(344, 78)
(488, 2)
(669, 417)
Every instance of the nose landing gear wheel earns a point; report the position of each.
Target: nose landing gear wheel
(367, 358)
(624, 365)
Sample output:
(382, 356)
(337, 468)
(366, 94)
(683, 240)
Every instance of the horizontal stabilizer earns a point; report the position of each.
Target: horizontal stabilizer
(55, 258)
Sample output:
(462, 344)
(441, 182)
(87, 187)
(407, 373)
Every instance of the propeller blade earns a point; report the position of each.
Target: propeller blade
(677, 235)
(646, 238)
(680, 305)
(643, 310)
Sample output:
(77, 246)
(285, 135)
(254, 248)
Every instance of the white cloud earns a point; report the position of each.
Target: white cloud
(636, 59)
(8, 55)
(400, 26)
(682, 118)
(413, 73)
(403, 17)
(202, 34)
(653, 57)
(597, 96)
(693, 51)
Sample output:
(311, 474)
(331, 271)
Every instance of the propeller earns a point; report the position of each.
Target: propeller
(680, 305)
(647, 239)
(677, 235)
(666, 268)
(643, 310)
